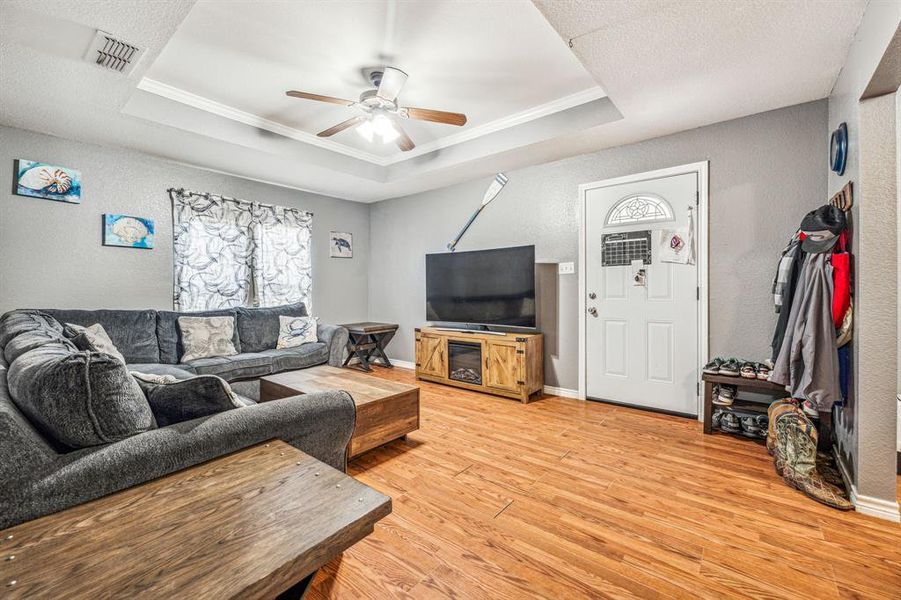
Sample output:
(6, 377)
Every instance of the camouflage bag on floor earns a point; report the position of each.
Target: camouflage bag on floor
(796, 453)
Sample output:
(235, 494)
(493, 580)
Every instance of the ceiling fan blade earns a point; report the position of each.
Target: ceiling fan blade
(436, 116)
(403, 140)
(308, 96)
(392, 81)
(341, 126)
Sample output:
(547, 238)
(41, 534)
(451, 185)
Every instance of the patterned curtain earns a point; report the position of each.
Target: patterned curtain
(229, 252)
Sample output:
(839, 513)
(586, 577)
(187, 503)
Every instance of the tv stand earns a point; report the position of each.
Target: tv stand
(493, 362)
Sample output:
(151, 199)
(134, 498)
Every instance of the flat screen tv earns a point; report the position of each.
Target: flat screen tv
(483, 287)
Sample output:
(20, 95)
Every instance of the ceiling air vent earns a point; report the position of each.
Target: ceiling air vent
(111, 53)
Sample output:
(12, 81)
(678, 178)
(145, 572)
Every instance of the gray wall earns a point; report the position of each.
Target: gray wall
(766, 172)
(52, 253)
(878, 26)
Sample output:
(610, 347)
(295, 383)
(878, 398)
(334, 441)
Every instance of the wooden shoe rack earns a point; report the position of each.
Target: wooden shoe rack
(759, 386)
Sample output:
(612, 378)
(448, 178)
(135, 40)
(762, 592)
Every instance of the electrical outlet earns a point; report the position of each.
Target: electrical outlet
(566, 268)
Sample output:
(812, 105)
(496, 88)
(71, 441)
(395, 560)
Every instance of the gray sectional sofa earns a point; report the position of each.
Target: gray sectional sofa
(41, 475)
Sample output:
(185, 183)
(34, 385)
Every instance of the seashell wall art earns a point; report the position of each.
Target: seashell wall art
(128, 232)
(40, 180)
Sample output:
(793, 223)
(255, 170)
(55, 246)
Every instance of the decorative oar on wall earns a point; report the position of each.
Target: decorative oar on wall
(500, 180)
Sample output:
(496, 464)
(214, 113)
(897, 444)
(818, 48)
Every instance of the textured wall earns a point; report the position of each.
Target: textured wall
(766, 172)
(876, 314)
(876, 29)
(52, 253)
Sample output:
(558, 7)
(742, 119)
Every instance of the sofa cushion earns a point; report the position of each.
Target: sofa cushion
(92, 339)
(301, 357)
(179, 372)
(177, 400)
(79, 399)
(258, 327)
(239, 366)
(207, 337)
(16, 322)
(29, 340)
(169, 335)
(132, 331)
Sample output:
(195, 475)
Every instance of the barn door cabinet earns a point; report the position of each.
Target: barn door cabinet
(511, 364)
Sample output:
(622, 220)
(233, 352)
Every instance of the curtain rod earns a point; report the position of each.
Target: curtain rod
(183, 191)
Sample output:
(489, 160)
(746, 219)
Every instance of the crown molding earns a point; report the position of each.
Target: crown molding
(211, 106)
(217, 108)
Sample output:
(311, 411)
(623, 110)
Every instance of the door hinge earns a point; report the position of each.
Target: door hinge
(698, 388)
(697, 293)
(697, 198)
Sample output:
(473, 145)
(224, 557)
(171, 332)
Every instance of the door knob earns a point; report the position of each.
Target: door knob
(592, 295)
(593, 311)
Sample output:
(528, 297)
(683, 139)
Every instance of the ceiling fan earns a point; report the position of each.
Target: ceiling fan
(380, 111)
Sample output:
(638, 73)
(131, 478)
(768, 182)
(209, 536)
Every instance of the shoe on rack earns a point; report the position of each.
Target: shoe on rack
(725, 395)
(713, 367)
(731, 367)
(748, 370)
(763, 371)
(750, 428)
(730, 423)
(717, 418)
(769, 364)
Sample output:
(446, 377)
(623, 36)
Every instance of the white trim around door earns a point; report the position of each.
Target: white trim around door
(701, 239)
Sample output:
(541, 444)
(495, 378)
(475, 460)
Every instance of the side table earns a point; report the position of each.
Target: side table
(367, 340)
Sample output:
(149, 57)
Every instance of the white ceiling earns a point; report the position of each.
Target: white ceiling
(489, 60)
(209, 90)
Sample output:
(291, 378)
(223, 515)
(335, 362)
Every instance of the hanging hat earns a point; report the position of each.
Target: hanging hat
(821, 228)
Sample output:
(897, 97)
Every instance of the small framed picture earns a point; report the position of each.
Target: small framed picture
(127, 232)
(341, 244)
(41, 180)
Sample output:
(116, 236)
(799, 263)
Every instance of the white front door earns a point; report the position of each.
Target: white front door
(641, 337)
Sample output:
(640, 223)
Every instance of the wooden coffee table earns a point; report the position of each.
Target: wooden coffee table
(253, 524)
(385, 410)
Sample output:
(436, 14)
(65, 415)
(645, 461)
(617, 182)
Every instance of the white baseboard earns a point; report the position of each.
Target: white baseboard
(562, 392)
(876, 507)
(867, 505)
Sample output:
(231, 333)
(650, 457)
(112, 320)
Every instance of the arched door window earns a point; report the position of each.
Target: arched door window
(640, 208)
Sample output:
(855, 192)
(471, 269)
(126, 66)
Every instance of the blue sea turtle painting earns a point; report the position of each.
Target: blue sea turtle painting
(341, 245)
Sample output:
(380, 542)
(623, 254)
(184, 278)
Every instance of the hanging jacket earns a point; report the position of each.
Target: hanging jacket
(784, 286)
(841, 280)
(807, 363)
(787, 266)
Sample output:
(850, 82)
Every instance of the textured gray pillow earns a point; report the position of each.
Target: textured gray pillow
(79, 399)
(93, 339)
(176, 400)
(203, 337)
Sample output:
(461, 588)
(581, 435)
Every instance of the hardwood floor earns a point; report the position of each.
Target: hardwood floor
(568, 499)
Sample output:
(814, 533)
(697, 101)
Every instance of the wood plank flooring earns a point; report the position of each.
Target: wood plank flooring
(568, 499)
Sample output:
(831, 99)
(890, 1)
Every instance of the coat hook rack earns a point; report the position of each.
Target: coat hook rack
(843, 199)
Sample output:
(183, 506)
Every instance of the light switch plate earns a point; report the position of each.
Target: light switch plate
(566, 268)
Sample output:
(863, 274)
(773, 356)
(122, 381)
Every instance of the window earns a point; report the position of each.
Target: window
(230, 253)
(640, 208)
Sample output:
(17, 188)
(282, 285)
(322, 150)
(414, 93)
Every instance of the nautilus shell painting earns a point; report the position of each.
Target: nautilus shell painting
(128, 232)
(40, 180)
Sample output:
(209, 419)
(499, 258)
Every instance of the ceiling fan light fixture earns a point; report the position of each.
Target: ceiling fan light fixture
(367, 130)
(378, 126)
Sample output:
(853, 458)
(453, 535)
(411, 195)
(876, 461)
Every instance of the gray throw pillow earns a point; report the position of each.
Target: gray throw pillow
(176, 400)
(79, 399)
(93, 339)
(203, 337)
